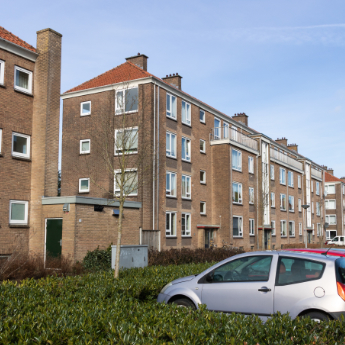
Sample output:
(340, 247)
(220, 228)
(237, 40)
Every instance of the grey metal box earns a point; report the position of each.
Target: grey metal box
(130, 256)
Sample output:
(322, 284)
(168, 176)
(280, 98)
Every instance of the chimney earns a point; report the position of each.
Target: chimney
(342, 178)
(330, 171)
(282, 141)
(241, 117)
(140, 60)
(293, 147)
(174, 80)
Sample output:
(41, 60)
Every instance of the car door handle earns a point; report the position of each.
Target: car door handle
(264, 289)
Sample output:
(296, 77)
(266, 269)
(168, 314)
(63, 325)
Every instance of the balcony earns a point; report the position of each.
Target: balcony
(229, 135)
(285, 160)
(316, 174)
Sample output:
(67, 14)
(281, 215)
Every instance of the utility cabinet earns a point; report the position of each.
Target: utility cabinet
(130, 256)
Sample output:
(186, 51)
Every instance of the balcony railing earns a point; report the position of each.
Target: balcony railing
(225, 133)
(316, 173)
(279, 156)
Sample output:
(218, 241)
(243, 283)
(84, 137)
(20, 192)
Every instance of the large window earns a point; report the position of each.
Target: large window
(84, 185)
(272, 172)
(186, 149)
(237, 226)
(19, 212)
(20, 145)
(291, 204)
(85, 108)
(292, 229)
(237, 192)
(85, 146)
(273, 200)
(170, 183)
(130, 182)
(331, 219)
(251, 227)
(2, 72)
(171, 106)
(251, 165)
(251, 195)
(283, 228)
(171, 145)
(186, 113)
(330, 204)
(236, 160)
(283, 202)
(22, 80)
(282, 175)
(126, 141)
(185, 224)
(202, 116)
(126, 101)
(170, 224)
(186, 186)
(290, 178)
(330, 188)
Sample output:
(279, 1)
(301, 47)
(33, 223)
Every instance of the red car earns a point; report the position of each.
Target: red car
(329, 251)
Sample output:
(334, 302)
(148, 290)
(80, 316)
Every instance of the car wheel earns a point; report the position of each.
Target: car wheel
(317, 316)
(184, 302)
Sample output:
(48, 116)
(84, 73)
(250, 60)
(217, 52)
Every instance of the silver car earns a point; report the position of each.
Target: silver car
(264, 283)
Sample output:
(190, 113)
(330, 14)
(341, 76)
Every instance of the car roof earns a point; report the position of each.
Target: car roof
(329, 251)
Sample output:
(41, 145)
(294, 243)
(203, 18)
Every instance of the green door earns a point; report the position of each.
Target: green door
(54, 237)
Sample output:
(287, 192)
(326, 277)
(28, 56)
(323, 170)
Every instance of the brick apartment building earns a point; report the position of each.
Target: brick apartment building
(334, 204)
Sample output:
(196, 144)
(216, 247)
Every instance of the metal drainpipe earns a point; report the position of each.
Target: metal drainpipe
(230, 192)
(158, 168)
(287, 211)
(257, 201)
(154, 157)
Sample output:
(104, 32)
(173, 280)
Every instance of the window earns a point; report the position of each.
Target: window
(282, 176)
(291, 204)
(293, 270)
(299, 181)
(236, 160)
(318, 229)
(170, 224)
(186, 186)
(330, 234)
(330, 189)
(186, 149)
(237, 192)
(251, 165)
(290, 178)
(186, 113)
(273, 227)
(170, 183)
(185, 224)
(330, 204)
(273, 200)
(237, 227)
(299, 205)
(300, 229)
(317, 185)
(202, 116)
(126, 101)
(85, 108)
(85, 146)
(19, 212)
(216, 129)
(202, 146)
(283, 202)
(22, 79)
(251, 195)
(126, 141)
(130, 182)
(331, 219)
(292, 229)
(312, 186)
(251, 227)
(318, 211)
(20, 145)
(2, 72)
(283, 228)
(202, 176)
(171, 145)
(0, 139)
(171, 106)
(272, 172)
(202, 207)
(84, 185)
(312, 207)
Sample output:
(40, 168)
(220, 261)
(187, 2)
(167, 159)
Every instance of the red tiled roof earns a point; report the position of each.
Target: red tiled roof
(331, 178)
(8, 36)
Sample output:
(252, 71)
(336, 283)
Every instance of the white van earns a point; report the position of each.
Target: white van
(337, 240)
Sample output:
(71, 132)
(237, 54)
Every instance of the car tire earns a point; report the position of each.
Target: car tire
(317, 316)
(184, 302)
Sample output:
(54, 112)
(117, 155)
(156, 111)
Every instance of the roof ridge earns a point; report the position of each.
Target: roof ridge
(23, 44)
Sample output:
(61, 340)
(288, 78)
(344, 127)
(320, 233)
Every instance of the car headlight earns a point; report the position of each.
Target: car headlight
(165, 287)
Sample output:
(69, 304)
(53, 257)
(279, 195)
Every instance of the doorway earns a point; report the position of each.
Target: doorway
(267, 239)
(53, 243)
(208, 238)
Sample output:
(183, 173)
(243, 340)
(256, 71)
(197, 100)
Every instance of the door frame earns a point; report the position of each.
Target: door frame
(45, 237)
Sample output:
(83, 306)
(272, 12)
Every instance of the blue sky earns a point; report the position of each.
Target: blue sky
(280, 62)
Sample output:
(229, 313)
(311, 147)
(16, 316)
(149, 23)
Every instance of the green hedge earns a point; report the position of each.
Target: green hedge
(95, 309)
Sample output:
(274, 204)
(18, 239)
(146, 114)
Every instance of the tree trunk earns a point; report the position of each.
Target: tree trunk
(118, 244)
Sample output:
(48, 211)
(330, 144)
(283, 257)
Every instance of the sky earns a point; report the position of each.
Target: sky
(280, 62)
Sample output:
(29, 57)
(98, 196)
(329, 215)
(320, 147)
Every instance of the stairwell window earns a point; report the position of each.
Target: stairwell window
(170, 224)
(186, 113)
(171, 106)
(84, 185)
(237, 192)
(272, 172)
(186, 149)
(236, 160)
(22, 80)
(202, 177)
(186, 187)
(273, 200)
(2, 72)
(185, 224)
(126, 101)
(202, 116)
(292, 229)
(251, 195)
(203, 207)
(299, 205)
(317, 185)
(283, 232)
(20, 145)
(171, 145)
(300, 229)
(318, 211)
(202, 146)
(171, 184)
(283, 202)
(126, 141)
(290, 178)
(85, 146)
(237, 226)
(273, 227)
(291, 203)
(251, 165)
(318, 229)
(85, 108)
(299, 181)
(251, 227)
(282, 176)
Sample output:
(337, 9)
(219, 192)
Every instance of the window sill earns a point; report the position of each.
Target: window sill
(283, 184)
(189, 199)
(237, 203)
(171, 118)
(273, 207)
(203, 152)
(126, 154)
(84, 192)
(184, 160)
(24, 93)
(171, 157)
(251, 203)
(283, 236)
(251, 173)
(291, 211)
(171, 196)
(291, 187)
(82, 115)
(292, 236)
(83, 154)
(170, 236)
(282, 210)
(237, 170)
(204, 183)
(203, 122)
(3, 86)
(203, 214)
(237, 236)
(250, 235)
(19, 226)
(186, 236)
(186, 124)
(127, 112)
(22, 158)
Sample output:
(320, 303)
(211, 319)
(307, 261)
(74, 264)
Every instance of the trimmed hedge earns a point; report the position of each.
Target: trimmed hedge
(95, 308)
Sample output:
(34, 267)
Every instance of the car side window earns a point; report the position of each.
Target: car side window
(249, 268)
(294, 270)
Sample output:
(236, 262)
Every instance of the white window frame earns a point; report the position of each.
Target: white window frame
(170, 134)
(172, 230)
(204, 146)
(299, 181)
(18, 154)
(204, 207)
(272, 172)
(318, 208)
(188, 120)
(327, 219)
(240, 199)
(281, 201)
(129, 152)
(81, 145)
(225, 130)
(281, 228)
(299, 205)
(169, 175)
(292, 198)
(19, 222)
(282, 176)
(204, 117)
(328, 232)
(327, 187)
(251, 195)
(313, 225)
(188, 182)
(293, 232)
(273, 227)
(273, 199)
(172, 111)
(251, 227)
(188, 143)
(240, 231)
(328, 201)
(29, 90)
(312, 186)
(187, 231)
(81, 108)
(204, 180)
(317, 187)
(251, 165)
(318, 230)
(300, 230)
(123, 110)
(312, 207)
(84, 190)
(217, 134)
(232, 161)
(290, 173)
(2, 72)
(116, 190)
